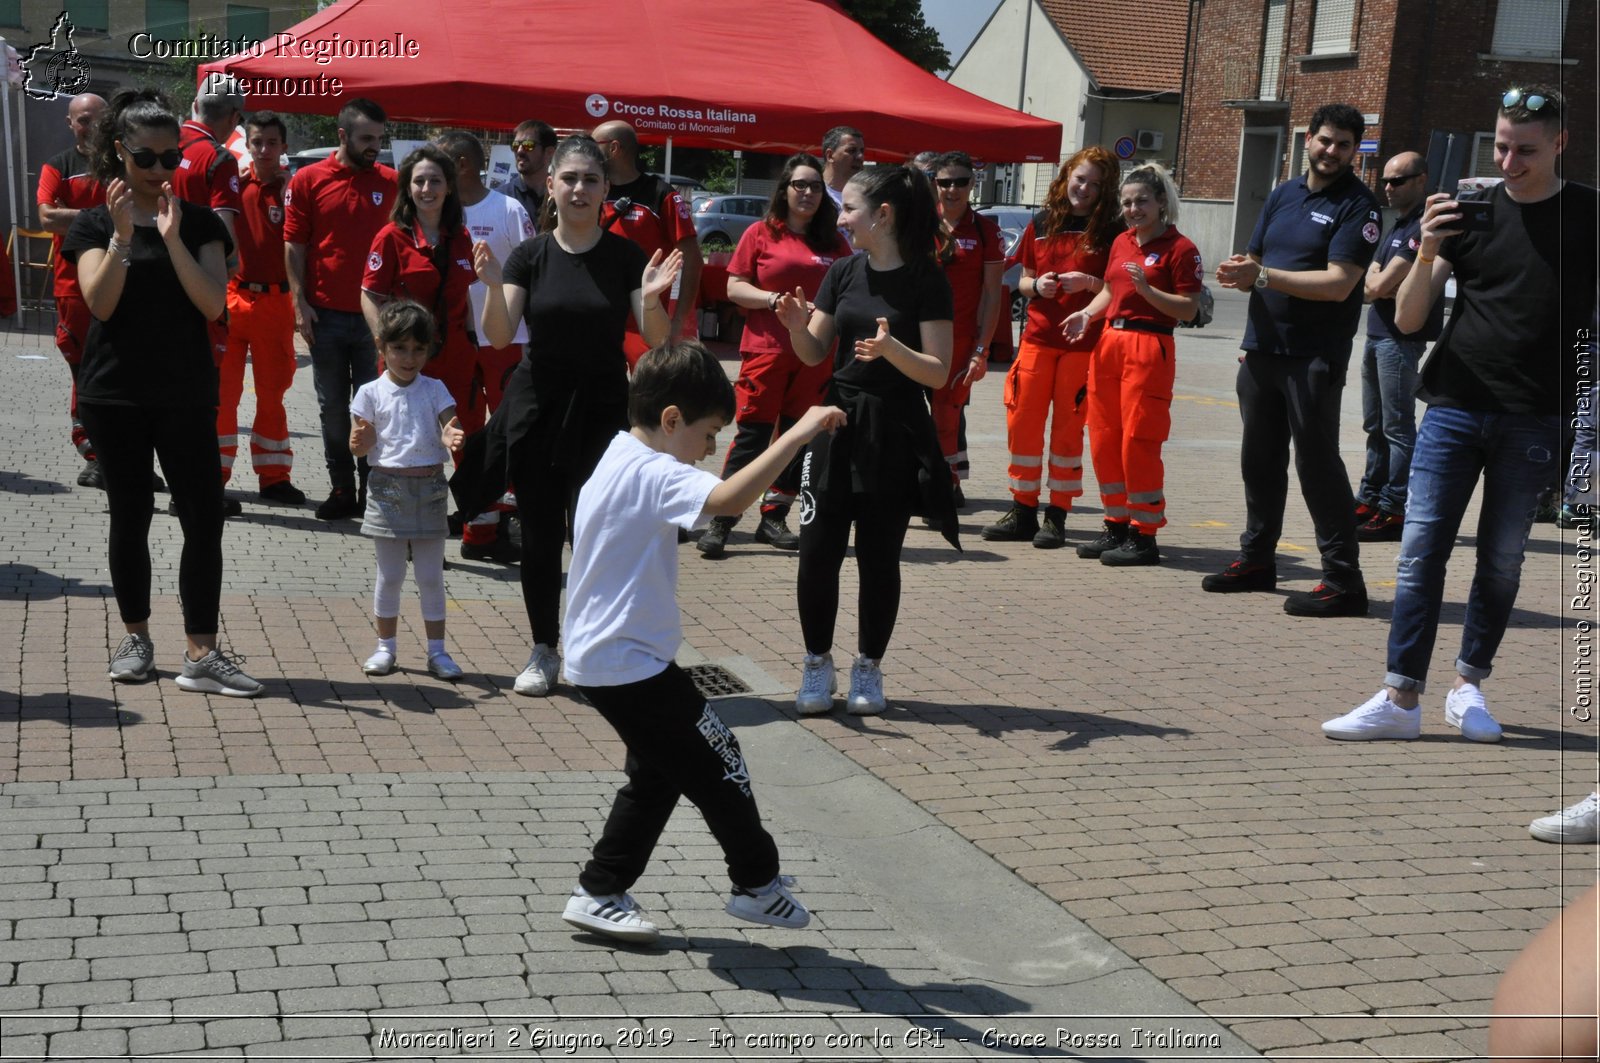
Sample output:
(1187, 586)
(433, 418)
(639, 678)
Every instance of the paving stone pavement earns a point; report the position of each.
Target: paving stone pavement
(1097, 792)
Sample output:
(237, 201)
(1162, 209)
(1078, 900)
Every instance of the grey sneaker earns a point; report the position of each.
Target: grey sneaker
(215, 673)
(135, 657)
(538, 676)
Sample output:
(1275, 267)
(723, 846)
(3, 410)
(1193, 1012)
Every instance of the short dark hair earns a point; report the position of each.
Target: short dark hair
(360, 107)
(683, 374)
(268, 120)
(401, 319)
(541, 133)
(1339, 116)
(1549, 112)
(831, 139)
(459, 144)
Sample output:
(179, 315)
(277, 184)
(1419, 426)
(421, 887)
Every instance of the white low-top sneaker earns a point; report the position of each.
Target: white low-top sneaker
(1376, 718)
(615, 916)
(1577, 824)
(772, 905)
(1465, 709)
(538, 676)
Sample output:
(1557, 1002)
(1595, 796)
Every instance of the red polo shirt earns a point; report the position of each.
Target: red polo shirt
(259, 230)
(1171, 264)
(658, 219)
(1061, 253)
(971, 250)
(778, 261)
(400, 266)
(209, 174)
(65, 181)
(335, 211)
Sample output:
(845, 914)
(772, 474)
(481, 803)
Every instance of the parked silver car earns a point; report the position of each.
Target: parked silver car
(719, 221)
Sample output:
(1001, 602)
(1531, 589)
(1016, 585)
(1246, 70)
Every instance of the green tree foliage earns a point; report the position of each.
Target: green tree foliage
(899, 24)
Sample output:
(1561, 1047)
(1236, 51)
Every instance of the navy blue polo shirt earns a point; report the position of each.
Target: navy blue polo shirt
(1403, 241)
(1304, 230)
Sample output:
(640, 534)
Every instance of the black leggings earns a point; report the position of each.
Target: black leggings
(546, 497)
(126, 438)
(677, 746)
(880, 532)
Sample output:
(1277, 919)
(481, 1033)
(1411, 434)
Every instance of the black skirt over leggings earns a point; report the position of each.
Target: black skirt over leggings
(126, 440)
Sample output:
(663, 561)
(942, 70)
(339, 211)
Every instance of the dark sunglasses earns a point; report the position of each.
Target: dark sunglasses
(146, 158)
(952, 182)
(1530, 103)
(1390, 182)
(805, 186)
(524, 145)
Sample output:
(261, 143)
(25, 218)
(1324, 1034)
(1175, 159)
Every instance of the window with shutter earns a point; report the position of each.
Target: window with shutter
(1529, 27)
(1333, 30)
(1483, 156)
(1271, 51)
(1301, 162)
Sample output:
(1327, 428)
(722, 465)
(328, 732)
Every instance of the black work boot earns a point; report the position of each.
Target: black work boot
(713, 541)
(1052, 534)
(774, 530)
(1019, 524)
(1137, 549)
(1113, 535)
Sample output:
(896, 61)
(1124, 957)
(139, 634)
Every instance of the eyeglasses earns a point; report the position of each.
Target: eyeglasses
(1530, 102)
(146, 158)
(805, 186)
(952, 182)
(1390, 182)
(524, 145)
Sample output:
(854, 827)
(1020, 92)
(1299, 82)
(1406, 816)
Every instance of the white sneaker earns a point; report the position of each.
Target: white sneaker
(1377, 717)
(614, 916)
(1577, 824)
(817, 686)
(772, 905)
(866, 688)
(1465, 709)
(380, 663)
(538, 677)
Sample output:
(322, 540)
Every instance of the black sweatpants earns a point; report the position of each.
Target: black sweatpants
(677, 746)
(1284, 399)
(881, 525)
(126, 440)
(751, 440)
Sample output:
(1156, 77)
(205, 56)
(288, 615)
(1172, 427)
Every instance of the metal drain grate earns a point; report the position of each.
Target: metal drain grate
(715, 681)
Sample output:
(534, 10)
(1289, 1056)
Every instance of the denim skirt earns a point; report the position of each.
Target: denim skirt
(406, 507)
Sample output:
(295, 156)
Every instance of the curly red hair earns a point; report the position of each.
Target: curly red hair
(1105, 220)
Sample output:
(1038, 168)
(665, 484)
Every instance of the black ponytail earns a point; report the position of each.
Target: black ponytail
(130, 111)
(916, 215)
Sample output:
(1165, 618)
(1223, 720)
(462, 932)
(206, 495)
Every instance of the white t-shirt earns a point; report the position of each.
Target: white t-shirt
(502, 223)
(407, 420)
(622, 588)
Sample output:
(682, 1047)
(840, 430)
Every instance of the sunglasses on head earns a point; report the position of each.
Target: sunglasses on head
(1530, 102)
(146, 158)
(952, 182)
(1390, 182)
(805, 186)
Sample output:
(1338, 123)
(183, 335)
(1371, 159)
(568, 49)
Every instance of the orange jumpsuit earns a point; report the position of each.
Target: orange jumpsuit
(260, 325)
(1131, 377)
(1050, 372)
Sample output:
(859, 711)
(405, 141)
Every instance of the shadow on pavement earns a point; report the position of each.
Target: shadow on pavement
(1080, 728)
(19, 581)
(69, 710)
(372, 698)
(19, 483)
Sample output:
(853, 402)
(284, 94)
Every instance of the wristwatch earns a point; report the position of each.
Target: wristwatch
(1261, 279)
(979, 349)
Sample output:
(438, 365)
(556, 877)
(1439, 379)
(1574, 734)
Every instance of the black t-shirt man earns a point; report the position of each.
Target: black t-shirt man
(1524, 289)
(154, 351)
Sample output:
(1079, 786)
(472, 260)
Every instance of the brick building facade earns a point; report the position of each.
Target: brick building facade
(1256, 69)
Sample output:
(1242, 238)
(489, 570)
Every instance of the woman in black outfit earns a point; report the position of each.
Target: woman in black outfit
(153, 274)
(890, 310)
(575, 284)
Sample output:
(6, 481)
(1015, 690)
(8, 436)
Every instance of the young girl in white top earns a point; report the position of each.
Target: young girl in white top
(407, 423)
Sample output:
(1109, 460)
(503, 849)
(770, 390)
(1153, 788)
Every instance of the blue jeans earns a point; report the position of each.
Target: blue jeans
(1388, 415)
(1517, 454)
(342, 359)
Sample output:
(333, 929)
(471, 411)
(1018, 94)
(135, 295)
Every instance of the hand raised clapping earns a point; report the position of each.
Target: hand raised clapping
(659, 273)
(485, 264)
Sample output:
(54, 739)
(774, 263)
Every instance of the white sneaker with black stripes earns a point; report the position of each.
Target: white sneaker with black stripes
(615, 915)
(771, 904)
